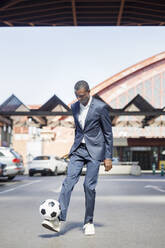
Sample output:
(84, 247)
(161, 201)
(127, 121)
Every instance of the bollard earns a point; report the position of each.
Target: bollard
(162, 169)
(153, 168)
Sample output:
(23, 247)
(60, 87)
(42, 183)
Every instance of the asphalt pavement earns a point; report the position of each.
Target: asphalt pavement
(129, 212)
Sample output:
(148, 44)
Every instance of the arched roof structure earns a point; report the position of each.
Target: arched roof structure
(136, 97)
(140, 90)
(144, 78)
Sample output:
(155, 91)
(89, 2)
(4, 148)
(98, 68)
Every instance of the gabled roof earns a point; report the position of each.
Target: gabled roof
(52, 103)
(140, 103)
(98, 97)
(44, 115)
(11, 104)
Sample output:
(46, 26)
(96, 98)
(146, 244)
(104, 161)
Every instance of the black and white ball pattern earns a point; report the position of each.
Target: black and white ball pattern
(50, 209)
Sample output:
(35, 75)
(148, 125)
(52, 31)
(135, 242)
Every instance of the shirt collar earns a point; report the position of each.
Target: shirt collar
(87, 106)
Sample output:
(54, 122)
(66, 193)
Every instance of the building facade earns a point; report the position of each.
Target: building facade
(134, 140)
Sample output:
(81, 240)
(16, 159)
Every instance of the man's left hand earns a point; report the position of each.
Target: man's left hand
(108, 164)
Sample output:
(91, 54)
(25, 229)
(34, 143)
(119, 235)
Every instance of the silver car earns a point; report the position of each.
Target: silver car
(1, 169)
(13, 162)
(51, 165)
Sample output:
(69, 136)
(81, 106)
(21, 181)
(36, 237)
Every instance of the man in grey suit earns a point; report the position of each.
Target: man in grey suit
(93, 143)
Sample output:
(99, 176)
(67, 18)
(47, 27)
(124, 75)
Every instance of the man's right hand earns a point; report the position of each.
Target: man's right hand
(108, 164)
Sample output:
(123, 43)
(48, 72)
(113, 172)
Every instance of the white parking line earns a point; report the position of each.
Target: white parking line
(132, 199)
(155, 187)
(21, 186)
(128, 199)
(132, 180)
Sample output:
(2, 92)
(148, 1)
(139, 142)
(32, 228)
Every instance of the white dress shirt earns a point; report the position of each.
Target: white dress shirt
(83, 114)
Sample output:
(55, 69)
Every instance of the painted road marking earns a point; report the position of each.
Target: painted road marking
(133, 199)
(155, 187)
(20, 186)
(132, 180)
(126, 199)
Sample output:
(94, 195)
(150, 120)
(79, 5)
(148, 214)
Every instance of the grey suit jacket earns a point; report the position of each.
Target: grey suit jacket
(97, 130)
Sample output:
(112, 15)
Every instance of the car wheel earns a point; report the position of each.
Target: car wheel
(11, 177)
(30, 174)
(56, 172)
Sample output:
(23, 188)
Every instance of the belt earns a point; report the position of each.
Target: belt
(83, 144)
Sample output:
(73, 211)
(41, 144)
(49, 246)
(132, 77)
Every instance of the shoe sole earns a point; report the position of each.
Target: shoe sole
(89, 234)
(49, 227)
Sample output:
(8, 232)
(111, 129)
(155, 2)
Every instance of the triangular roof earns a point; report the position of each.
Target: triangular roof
(140, 103)
(12, 104)
(52, 103)
(98, 97)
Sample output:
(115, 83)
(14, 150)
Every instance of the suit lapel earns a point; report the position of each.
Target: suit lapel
(77, 113)
(89, 111)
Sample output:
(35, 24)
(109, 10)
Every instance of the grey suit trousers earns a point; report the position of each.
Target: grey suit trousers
(77, 160)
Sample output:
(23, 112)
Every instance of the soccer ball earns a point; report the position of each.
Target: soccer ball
(50, 209)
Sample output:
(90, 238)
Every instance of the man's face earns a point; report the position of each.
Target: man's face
(83, 96)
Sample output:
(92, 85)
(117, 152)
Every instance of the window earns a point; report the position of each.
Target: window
(163, 82)
(122, 100)
(1, 154)
(139, 89)
(113, 104)
(127, 154)
(42, 158)
(6, 153)
(57, 158)
(162, 153)
(148, 87)
(131, 94)
(157, 97)
(157, 81)
(15, 154)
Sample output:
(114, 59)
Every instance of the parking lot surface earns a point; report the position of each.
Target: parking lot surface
(129, 212)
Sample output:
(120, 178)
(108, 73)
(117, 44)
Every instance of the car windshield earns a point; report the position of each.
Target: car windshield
(42, 158)
(6, 153)
(57, 158)
(1, 154)
(15, 154)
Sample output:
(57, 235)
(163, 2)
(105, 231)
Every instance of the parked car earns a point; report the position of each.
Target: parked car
(47, 165)
(1, 169)
(13, 161)
(1, 172)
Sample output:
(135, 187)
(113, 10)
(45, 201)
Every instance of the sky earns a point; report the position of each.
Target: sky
(38, 62)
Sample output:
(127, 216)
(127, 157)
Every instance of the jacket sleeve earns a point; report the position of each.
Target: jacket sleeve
(107, 131)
